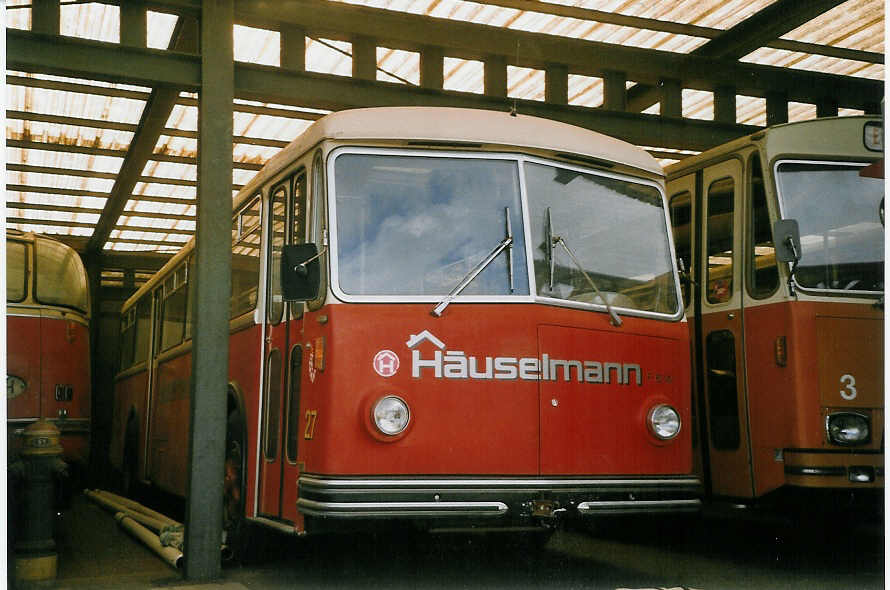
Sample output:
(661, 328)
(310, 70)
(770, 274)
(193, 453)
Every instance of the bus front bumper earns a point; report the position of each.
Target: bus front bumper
(493, 497)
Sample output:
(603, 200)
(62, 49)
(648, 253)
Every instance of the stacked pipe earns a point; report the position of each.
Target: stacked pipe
(140, 521)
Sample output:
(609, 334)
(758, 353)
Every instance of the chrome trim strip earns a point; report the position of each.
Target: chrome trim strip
(393, 484)
(633, 505)
(346, 509)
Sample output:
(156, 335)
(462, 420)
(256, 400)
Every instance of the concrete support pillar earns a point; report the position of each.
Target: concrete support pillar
(671, 98)
(827, 107)
(134, 27)
(776, 108)
(615, 91)
(724, 104)
(556, 84)
(45, 16)
(496, 76)
(212, 286)
(364, 58)
(293, 48)
(432, 68)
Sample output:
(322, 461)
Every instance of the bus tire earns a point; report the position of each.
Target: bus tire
(129, 479)
(235, 526)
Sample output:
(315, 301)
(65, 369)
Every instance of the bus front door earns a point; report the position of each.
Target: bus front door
(721, 332)
(282, 358)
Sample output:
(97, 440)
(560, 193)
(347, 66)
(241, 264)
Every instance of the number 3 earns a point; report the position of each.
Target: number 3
(849, 383)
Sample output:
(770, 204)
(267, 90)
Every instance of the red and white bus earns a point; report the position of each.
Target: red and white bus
(787, 320)
(489, 331)
(47, 342)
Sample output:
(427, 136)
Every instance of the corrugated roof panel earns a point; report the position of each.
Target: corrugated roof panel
(159, 29)
(257, 46)
(60, 181)
(63, 160)
(329, 57)
(585, 90)
(99, 22)
(750, 110)
(396, 65)
(465, 75)
(698, 104)
(68, 134)
(525, 83)
(74, 104)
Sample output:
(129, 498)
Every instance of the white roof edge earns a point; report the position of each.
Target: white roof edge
(451, 124)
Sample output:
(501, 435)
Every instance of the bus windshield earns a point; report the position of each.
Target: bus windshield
(416, 225)
(841, 229)
(60, 276)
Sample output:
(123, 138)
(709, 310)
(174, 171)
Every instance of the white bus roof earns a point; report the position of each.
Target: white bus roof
(449, 125)
(826, 137)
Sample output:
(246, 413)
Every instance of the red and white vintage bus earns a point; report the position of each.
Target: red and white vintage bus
(47, 342)
(784, 234)
(489, 332)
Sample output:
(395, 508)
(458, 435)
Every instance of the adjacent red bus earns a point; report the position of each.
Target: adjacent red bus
(47, 342)
(787, 320)
(444, 316)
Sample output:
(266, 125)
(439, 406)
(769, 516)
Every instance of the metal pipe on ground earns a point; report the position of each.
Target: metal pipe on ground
(132, 505)
(171, 555)
(146, 520)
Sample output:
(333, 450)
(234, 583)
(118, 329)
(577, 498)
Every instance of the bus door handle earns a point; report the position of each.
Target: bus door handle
(731, 315)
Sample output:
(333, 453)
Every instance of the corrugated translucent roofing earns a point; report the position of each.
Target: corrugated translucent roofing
(67, 138)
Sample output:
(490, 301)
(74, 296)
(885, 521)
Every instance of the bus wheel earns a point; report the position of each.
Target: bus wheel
(234, 524)
(129, 479)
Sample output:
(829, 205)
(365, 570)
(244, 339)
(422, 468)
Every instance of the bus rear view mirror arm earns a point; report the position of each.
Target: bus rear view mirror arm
(786, 237)
(300, 272)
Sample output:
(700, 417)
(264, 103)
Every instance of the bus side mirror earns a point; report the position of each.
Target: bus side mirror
(300, 272)
(786, 237)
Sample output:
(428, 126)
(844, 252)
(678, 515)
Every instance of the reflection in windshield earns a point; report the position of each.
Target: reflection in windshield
(412, 225)
(841, 234)
(416, 225)
(618, 232)
(61, 278)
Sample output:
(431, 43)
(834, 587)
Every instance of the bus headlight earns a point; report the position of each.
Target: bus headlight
(391, 415)
(664, 422)
(847, 428)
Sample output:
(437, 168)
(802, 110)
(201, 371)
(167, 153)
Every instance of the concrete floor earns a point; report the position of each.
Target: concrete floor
(699, 553)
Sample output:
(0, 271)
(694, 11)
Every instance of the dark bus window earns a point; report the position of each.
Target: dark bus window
(16, 271)
(763, 274)
(293, 403)
(723, 407)
(720, 245)
(273, 404)
(681, 222)
(246, 236)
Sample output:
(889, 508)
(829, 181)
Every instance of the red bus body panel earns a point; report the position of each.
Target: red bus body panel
(492, 425)
(47, 352)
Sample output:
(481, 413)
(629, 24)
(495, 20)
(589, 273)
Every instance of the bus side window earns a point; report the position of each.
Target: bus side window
(720, 248)
(681, 223)
(173, 309)
(128, 333)
(246, 229)
(142, 337)
(16, 271)
(763, 274)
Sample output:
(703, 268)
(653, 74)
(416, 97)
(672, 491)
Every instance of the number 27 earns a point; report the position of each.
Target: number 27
(311, 420)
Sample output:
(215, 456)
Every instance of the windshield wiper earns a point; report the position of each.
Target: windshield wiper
(553, 240)
(507, 242)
